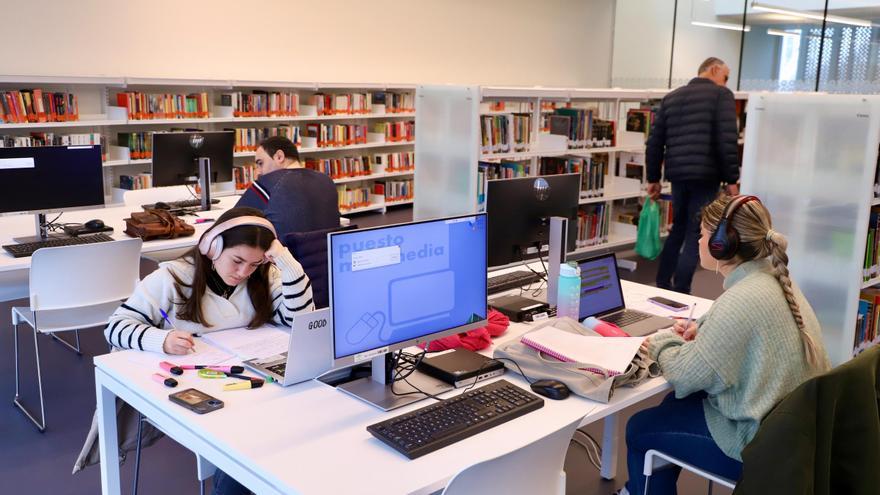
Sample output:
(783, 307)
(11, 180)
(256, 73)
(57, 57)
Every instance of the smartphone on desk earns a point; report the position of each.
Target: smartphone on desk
(668, 303)
(196, 401)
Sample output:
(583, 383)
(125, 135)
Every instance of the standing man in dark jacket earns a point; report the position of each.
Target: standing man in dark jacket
(293, 198)
(694, 140)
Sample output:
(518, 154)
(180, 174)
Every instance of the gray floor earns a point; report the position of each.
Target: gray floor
(41, 463)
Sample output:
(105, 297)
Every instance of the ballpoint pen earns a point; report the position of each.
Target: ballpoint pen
(165, 317)
(687, 324)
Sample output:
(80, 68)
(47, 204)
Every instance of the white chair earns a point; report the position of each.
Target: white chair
(655, 459)
(535, 468)
(73, 287)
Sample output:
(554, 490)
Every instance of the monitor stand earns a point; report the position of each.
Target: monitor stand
(376, 390)
(42, 231)
(205, 182)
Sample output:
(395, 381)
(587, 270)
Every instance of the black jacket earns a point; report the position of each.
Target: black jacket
(823, 439)
(695, 134)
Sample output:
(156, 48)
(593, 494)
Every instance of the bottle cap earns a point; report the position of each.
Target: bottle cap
(569, 270)
(591, 322)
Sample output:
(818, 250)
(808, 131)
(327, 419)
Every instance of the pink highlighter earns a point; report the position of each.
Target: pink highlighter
(604, 328)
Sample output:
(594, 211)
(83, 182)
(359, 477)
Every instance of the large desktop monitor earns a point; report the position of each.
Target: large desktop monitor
(401, 285)
(176, 155)
(519, 215)
(50, 179)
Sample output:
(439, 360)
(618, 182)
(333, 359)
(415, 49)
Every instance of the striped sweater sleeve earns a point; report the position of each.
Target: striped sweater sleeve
(291, 289)
(137, 323)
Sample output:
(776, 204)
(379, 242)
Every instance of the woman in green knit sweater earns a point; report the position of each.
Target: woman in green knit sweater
(758, 342)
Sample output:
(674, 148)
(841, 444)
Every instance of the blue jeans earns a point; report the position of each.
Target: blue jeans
(676, 427)
(681, 251)
(226, 485)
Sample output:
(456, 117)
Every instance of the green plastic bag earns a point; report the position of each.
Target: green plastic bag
(648, 243)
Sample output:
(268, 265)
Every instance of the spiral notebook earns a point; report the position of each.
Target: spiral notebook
(612, 353)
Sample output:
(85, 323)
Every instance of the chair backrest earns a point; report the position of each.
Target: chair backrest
(84, 275)
(310, 249)
(535, 468)
(152, 195)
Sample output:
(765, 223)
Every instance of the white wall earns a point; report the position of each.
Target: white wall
(550, 43)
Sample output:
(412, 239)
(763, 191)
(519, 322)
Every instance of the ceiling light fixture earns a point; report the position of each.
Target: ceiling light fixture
(811, 15)
(722, 25)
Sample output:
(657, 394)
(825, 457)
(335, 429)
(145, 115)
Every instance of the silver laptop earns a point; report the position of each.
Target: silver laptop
(602, 297)
(308, 354)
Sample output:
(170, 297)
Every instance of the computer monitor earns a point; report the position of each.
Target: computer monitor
(519, 215)
(47, 179)
(402, 285)
(176, 155)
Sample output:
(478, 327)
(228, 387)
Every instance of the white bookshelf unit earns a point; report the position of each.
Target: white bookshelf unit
(99, 113)
(454, 175)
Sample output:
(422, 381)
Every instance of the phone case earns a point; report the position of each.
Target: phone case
(670, 308)
(205, 406)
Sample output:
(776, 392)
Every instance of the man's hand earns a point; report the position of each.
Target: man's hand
(177, 342)
(732, 189)
(654, 190)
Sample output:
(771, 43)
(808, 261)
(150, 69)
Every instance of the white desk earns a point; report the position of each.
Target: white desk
(14, 271)
(311, 438)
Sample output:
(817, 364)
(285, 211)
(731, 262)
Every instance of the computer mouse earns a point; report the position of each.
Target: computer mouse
(94, 224)
(552, 389)
(161, 205)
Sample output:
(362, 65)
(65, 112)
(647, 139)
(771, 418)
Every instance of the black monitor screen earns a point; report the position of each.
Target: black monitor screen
(50, 178)
(519, 211)
(175, 156)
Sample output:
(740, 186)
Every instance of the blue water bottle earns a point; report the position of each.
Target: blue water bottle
(568, 296)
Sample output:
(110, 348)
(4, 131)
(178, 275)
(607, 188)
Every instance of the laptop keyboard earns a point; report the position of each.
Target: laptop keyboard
(278, 369)
(626, 317)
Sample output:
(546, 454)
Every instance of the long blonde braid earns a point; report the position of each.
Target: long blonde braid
(758, 240)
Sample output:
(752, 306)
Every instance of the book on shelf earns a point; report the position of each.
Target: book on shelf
(145, 106)
(554, 165)
(399, 102)
(395, 190)
(867, 320)
(244, 175)
(585, 129)
(639, 120)
(403, 161)
(341, 168)
(139, 144)
(508, 106)
(593, 224)
(261, 103)
(134, 182)
(871, 268)
(634, 170)
(36, 105)
(594, 169)
(522, 131)
(249, 138)
(343, 103)
(395, 131)
(335, 135)
(351, 197)
(505, 169)
(495, 134)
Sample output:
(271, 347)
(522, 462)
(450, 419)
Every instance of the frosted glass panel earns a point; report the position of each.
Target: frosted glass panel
(446, 151)
(810, 158)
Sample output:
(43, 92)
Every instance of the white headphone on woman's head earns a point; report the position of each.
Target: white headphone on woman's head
(211, 243)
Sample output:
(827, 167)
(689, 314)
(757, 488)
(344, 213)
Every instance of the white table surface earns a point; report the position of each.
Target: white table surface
(14, 271)
(311, 438)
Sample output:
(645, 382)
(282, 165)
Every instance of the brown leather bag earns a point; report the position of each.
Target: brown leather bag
(157, 224)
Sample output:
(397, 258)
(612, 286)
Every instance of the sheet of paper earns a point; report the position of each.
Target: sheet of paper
(205, 354)
(248, 344)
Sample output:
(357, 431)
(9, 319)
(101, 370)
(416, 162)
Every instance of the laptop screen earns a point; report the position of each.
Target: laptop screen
(600, 286)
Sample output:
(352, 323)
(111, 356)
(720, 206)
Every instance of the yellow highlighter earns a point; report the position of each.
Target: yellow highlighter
(244, 384)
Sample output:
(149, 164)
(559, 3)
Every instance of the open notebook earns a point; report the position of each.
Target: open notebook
(612, 353)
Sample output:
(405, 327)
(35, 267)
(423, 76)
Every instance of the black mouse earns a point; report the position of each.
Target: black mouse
(552, 389)
(161, 205)
(94, 224)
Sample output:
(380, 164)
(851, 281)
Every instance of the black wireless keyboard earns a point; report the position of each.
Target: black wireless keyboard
(186, 203)
(433, 427)
(512, 280)
(28, 248)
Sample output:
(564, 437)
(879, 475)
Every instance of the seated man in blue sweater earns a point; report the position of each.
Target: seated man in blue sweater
(293, 198)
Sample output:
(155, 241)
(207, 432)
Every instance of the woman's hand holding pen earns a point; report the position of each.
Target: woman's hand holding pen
(178, 342)
(687, 329)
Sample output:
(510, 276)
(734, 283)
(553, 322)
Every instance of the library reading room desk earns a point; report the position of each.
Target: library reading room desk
(14, 271)
(310, 438)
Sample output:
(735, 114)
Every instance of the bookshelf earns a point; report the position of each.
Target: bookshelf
(103, 115)
(812, 158)
(513, 127)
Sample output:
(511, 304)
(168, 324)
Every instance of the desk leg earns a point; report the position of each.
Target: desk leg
(107, 438)
(610, 441)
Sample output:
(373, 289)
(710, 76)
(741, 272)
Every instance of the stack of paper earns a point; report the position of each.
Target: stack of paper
(613, 354)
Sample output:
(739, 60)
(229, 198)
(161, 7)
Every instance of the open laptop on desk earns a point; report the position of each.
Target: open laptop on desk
(308, 351)
(602, 297)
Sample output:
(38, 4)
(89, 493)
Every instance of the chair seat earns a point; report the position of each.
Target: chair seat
(59, 320)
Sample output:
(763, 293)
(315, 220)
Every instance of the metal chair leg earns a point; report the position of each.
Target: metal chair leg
(710, 487)
(41, 424)
(201, 487)
(137, 455)
(68, 344)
